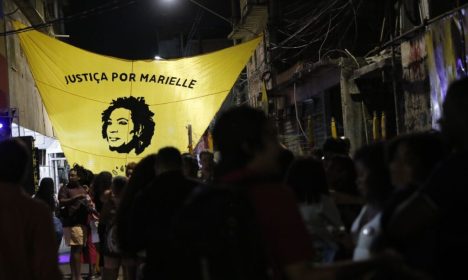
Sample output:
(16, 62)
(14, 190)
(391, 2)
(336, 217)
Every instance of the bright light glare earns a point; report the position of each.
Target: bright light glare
(157, 57)
(1, 125)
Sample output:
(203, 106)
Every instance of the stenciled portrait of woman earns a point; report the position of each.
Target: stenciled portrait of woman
(127, 124)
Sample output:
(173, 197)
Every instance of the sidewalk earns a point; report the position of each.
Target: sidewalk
(64, 259)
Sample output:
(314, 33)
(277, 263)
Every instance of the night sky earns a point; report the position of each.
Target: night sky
(132, 31)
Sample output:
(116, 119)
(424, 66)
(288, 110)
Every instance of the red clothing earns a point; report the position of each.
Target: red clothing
(29, 248)
(283, 229)
(90, 252)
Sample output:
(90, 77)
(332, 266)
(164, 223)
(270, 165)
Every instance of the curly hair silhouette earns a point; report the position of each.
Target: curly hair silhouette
(128, 124)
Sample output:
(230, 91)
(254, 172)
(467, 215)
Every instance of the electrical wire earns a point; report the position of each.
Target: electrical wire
(312, 20)
(305, 31)
(297, 114)
(296, 54)
(109, 6)
(324, 40)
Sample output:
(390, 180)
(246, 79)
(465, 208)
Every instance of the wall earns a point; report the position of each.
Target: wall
(23, 93)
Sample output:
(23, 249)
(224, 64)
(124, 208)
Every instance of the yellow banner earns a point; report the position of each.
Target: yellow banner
(108, 111)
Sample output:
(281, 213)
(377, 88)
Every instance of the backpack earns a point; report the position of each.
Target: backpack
(216, 236)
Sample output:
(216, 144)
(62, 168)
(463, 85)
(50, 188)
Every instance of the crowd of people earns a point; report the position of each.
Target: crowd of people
(391, 210)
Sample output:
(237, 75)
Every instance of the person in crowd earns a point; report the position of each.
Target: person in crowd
(46, 193)
(306, 176)
(143, 174)
(100, 192)
(29, 250)
(341, 178)
(129, 169)
(128, 125)
(286, 158)
(112, 255)
(411, 158)
(206, 166)
(90, 251)
(73, 199)
(441, 203)
(249, 152)
(154, 209)
(338, 146)
(189, 166)
(100, 188)
(373, 181)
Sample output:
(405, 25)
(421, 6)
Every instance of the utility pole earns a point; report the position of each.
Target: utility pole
(190, 140)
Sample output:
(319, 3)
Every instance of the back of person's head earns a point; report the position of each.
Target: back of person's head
(306, 177)
(333, 146)
(85, 175)
(46, 192)
(341, 174)
(418, 153)
(237, 134)
(14, 161)
(189, 166)
(88, 179)
(118, 185)
(373, 174)
(46, 187)
(286, 158)
(129, 168)
(101, 182)
(143, 174)
(454, 121)
(205, 154)
(169, 158)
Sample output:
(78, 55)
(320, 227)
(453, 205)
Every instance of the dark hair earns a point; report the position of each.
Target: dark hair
(129, 166)
(86, 176)
(14, 161)
(286, 158)
(142, 119)
(46, 192)
(118, 185)
(425, 151)
(306, 177)
(169, 157)
(207, 153)
(379, 187)
(143, 174)
(189, 166)
(454, 121)
(341, 174)
(101, 183)
(237, 129)
(333, 146)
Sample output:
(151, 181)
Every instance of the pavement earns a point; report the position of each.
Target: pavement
(64, 258)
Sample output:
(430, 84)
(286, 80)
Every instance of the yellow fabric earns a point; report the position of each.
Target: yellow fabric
(264, 98)
(334, 133)
(77, 86)
(375, 127)
(383, 126)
